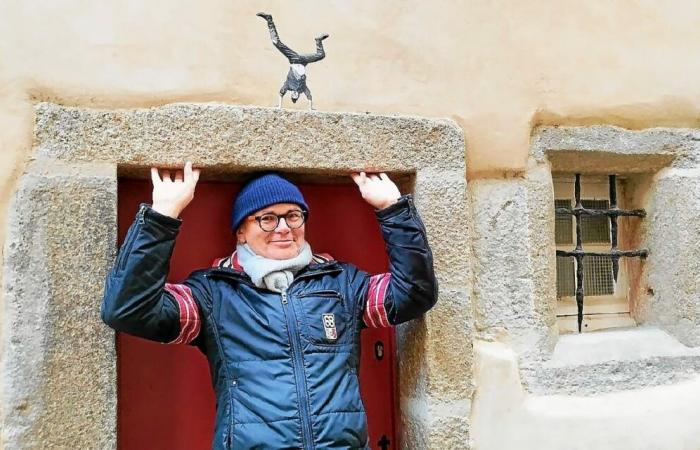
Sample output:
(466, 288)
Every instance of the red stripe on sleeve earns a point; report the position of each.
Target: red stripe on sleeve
(381, 295)
(190, 322)
(375, 315)
(371, 296)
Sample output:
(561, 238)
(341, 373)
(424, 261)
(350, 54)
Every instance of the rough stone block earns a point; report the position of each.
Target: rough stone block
(229, 136)
(605, 149)
(437, 432)
(435, 368)
(436, 353)
(439, 195)
(449, 347)
(512, 252)
(58, 370)
(673, 228)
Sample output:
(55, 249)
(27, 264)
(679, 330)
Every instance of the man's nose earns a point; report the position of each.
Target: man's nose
(282, 226)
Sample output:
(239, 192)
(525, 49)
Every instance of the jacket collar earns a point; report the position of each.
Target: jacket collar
(228, 262)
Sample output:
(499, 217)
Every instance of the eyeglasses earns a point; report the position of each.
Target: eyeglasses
(270, 221)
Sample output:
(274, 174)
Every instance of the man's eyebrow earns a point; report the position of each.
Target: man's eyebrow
(269, 211)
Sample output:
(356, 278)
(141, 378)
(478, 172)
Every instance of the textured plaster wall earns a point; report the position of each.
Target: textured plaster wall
(494, 67)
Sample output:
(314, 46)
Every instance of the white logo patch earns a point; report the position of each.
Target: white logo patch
(329, 326)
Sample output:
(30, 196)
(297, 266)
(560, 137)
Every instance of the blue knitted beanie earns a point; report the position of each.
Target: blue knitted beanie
(262, 191)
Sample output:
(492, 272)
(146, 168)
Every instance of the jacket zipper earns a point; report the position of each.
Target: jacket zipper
(130, 238)
(290, 318)
(293, 334)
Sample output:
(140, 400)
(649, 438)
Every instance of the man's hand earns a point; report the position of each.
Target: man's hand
(377, 190)
(171, 196)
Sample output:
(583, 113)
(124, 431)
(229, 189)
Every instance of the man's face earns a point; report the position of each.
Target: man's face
(295, 96)
(281, 243)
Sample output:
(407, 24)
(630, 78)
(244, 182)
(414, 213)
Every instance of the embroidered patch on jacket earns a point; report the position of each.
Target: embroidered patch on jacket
(329, 326)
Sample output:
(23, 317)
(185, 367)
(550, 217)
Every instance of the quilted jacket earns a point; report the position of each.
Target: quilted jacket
(284, 366)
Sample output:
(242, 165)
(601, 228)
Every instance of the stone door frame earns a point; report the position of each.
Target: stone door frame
(59, 360)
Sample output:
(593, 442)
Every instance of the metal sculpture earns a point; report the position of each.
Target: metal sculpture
(296, 77)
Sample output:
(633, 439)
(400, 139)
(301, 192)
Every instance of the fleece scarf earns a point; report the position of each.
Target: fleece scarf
(273, 274)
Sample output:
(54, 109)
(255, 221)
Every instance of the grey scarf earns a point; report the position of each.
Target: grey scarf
(273, 274)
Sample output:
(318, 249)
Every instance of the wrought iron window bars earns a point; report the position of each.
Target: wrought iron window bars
(579, 254)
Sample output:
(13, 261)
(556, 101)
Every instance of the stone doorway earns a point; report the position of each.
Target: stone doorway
(58, 368)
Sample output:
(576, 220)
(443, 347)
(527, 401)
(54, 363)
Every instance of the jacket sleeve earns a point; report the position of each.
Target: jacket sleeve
(409, 289)
(137, 300)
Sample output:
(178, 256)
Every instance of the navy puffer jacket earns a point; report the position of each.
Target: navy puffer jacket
(284, 367)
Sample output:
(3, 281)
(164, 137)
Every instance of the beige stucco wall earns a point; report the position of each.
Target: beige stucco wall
(494, 67)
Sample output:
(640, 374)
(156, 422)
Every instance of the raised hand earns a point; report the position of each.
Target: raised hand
(377, 190)
(172, 195)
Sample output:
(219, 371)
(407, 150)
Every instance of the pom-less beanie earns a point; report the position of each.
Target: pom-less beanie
(262, 191)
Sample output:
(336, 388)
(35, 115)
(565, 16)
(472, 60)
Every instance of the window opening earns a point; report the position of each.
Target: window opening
(596, 221)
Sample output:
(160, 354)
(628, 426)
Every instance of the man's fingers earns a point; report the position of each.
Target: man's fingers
(357, 178)
(360, 179)
(384, 177)
(188, 172)
(155, 178)
(191, 175)
(178, 176)
(166, 176)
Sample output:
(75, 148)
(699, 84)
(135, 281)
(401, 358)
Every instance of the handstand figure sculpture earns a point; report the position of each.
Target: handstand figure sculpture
(296, 77)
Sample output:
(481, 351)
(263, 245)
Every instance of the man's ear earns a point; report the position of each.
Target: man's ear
(240, 235)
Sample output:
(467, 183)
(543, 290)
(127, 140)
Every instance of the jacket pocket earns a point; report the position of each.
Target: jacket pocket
(323, 317)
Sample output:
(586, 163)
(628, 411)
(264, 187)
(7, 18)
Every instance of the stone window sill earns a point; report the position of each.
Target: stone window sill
(616, 360)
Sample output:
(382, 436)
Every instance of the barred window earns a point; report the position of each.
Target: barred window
(589, 222)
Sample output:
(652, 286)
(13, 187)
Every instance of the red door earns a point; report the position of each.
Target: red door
(165, 399)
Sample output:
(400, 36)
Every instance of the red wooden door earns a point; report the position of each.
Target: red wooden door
(165, 399)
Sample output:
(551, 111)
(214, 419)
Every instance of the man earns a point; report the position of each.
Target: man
(296, 77)
(280, 326)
